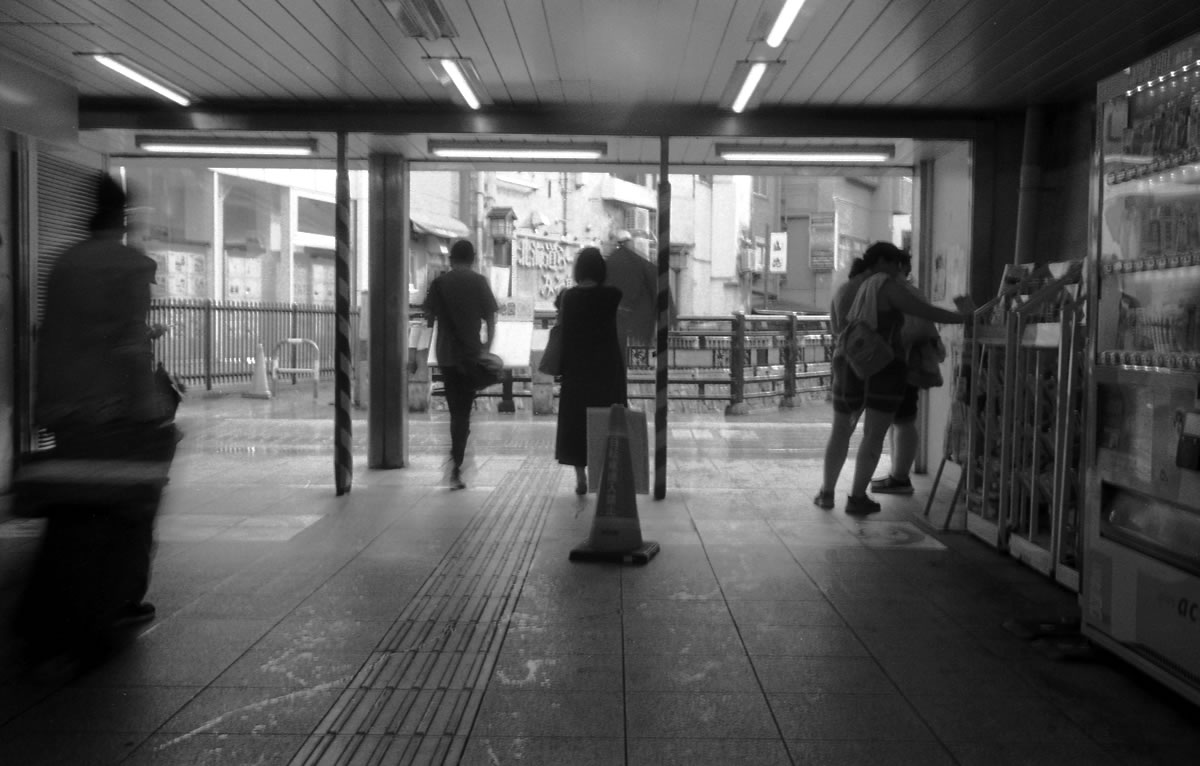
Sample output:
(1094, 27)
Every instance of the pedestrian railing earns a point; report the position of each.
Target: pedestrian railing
(214, 343)
(729, 363)
(714, 362)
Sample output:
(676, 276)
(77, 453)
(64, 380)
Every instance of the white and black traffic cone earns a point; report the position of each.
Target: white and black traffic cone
(616, 532)
(260, 387)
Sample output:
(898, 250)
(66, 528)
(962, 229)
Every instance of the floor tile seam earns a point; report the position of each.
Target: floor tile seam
(448, 605)
(345, 706)
(484, 518)
(211, 684)
(497, 511)
(741, 640)
(529, 549)
(945, 745)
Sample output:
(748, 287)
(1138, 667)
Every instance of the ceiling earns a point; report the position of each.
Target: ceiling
(631, 70)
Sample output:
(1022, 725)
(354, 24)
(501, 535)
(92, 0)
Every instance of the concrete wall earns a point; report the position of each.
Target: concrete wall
(947, 274)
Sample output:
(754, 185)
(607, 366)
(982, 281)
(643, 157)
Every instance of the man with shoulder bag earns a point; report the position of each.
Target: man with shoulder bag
(461, 302)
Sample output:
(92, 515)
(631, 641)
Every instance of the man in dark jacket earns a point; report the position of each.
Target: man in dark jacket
(637, 279)
(461, 302)
(97, 392)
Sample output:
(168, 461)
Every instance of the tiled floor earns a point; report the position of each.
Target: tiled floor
(405, 623)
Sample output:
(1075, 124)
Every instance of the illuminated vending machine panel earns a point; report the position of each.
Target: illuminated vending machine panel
(1141, 565)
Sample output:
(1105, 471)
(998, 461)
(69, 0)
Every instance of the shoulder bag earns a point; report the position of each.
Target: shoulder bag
(551, 363)
(867, 352)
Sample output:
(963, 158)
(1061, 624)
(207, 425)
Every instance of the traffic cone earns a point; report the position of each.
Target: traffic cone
(259, 387)
(616, 532)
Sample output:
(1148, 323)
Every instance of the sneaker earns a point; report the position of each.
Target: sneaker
(456, 481)
(824, 499)
(889, 485)
(859, 506)
(134, 614)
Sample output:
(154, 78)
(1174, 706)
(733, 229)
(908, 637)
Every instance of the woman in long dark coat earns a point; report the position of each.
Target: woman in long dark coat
(593, 369)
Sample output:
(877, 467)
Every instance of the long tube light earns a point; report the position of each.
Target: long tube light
(154, 83)
(809, 154)
(455, 73)
(515, 151)
(783, 22)
(230, 147)
(753, 76)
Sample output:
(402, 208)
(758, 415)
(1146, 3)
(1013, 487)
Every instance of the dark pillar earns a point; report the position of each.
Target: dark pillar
(387, 310)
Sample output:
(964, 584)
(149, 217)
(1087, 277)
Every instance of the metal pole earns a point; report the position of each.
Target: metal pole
(737, 372)
(664, 320)
(343, 457)
(792, 349)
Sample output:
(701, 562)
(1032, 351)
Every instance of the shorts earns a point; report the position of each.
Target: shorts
(884, 391)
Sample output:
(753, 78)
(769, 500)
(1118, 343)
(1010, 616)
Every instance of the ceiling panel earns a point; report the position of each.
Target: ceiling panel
(621, 59)
(882, 32)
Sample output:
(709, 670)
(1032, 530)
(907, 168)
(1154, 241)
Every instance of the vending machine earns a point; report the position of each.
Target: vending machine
(1140, 595)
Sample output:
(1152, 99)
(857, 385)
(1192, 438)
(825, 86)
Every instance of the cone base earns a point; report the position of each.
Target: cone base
(640, 555)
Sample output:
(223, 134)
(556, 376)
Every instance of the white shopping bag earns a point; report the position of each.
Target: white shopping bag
(597, 438)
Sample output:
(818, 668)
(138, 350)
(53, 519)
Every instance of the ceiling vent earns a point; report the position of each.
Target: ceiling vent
(421, 18)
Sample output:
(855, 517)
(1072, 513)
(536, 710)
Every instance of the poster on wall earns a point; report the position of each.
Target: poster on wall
(777, 263)
(514, 331)
(822, 233)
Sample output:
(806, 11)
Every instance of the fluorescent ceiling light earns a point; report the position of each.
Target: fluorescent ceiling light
(753, 76)
(783, 22)
(455, 73)
(515, 151)
(225, 146)
(811, 154)
(145, 79)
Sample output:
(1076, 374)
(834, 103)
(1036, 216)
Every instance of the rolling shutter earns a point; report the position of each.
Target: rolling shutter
(66, 199)
(64, 195)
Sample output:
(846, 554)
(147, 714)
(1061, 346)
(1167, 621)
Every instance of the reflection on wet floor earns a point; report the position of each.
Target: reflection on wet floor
(405, 623)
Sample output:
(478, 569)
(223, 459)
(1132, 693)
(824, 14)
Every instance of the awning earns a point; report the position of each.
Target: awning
(438, 225)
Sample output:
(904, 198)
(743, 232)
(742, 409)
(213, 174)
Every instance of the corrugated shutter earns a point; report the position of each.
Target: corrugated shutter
(66, 199)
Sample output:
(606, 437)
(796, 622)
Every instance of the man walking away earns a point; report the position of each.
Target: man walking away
(461, 301)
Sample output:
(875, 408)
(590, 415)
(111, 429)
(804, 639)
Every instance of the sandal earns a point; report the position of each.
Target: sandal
(824, 499)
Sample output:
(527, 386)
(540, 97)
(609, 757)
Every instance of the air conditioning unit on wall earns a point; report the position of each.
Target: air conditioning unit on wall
(637, 220)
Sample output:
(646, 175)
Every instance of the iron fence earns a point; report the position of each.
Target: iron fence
(729, 362)
(713, 361)
(214, 343)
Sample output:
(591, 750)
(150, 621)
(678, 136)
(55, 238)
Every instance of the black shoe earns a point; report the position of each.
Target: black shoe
(456, 481)
(890, 485)
(861, 506)
(134, 614)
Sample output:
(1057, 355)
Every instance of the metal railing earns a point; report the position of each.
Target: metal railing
(731, 362)
(214, 343)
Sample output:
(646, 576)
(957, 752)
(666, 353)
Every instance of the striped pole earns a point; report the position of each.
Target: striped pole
(664, 320)
(343, 458)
